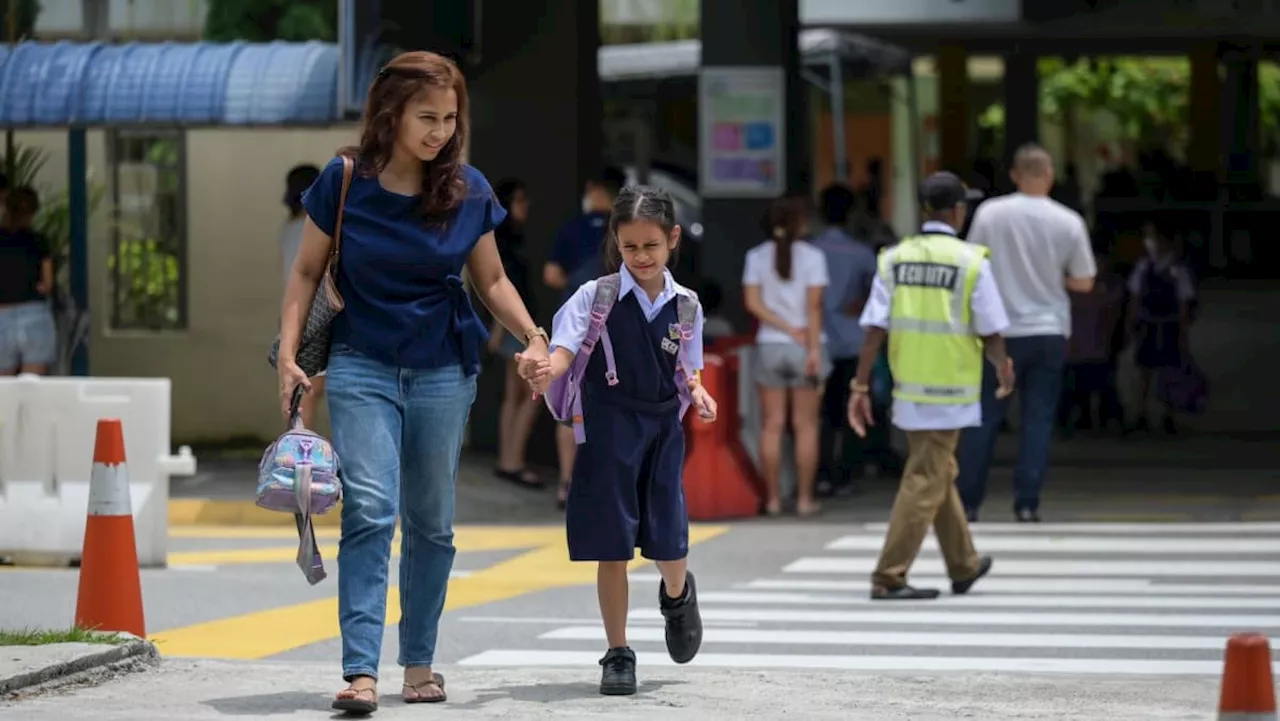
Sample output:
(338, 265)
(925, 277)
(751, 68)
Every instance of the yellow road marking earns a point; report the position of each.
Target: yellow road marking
(266, 633)
(204, 512)
(467, 539)
(254, 533)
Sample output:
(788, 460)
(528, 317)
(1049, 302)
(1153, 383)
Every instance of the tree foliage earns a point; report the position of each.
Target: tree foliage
(670, 20)
(267, 20)
(1148, 97)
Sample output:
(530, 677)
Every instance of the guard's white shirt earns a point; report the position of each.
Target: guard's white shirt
(988, 317)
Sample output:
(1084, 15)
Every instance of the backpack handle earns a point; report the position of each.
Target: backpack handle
(295, 408)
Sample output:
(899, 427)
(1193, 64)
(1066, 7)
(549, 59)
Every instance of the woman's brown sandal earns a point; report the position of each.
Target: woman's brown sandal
(418, 696)
(357, 699)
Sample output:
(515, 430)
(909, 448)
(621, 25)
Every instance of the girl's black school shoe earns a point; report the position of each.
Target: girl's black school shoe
(619, 675)
(684, 621)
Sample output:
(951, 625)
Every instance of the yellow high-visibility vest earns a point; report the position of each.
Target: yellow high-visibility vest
(934, 354)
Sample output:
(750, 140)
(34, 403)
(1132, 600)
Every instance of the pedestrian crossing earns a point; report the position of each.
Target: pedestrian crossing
(1086, 598)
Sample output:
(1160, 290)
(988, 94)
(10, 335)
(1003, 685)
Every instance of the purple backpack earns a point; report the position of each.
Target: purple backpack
(563, 397)
(299, 474)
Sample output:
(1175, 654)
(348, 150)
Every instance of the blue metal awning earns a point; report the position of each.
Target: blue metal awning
(95, 84)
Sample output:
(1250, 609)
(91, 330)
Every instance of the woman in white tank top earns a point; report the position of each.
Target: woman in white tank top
(783, 281)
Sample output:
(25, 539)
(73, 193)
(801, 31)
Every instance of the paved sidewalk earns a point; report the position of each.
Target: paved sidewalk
(197, 690)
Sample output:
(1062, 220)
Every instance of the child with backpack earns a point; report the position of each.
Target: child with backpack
(626, 406)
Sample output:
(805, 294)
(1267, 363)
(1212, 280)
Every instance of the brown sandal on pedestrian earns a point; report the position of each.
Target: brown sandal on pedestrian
(357, 699)
(418, 696)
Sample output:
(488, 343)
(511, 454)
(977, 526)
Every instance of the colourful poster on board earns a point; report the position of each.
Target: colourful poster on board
(743, 136)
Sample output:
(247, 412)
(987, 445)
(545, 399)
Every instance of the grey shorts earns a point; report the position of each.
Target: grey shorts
(781, 365)
(28, 336)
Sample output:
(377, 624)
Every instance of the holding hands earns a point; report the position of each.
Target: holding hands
(535, 367)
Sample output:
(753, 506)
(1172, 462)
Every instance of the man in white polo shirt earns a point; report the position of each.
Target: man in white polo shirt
(1040, 249)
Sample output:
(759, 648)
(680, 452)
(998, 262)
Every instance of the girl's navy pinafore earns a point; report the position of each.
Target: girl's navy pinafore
(627, 491)
(1159, 345)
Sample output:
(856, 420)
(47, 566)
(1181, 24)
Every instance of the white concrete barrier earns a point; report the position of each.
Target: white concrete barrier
(47, 431)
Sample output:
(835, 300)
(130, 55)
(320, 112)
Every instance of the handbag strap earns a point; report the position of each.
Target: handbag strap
(348, 170)
(308, 558)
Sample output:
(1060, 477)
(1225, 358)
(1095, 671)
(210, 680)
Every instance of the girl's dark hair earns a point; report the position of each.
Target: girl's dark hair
(783, 224)
(400, 81)
(637, 202)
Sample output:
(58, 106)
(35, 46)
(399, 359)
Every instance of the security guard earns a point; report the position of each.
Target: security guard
(934, 297)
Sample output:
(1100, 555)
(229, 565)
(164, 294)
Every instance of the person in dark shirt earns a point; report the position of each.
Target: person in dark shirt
(28, 336)
(579, 241)
(515, 417)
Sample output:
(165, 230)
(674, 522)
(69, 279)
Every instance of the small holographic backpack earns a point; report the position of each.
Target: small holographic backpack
(300, 474)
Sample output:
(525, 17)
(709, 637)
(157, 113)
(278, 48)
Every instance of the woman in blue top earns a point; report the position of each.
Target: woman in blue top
(627, 490)
(405, 354)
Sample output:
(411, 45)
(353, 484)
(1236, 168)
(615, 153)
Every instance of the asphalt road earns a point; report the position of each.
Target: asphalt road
(1102, 600)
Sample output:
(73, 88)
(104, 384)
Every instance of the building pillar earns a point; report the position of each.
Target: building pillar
(1021, 100)
(953, 108)
(1240, 116)
(1204, 111)
(536, 110)
(766, 37)
(536, 114)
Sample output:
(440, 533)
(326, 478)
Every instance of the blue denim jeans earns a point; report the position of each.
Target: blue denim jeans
(1038, 365)
(398, 433)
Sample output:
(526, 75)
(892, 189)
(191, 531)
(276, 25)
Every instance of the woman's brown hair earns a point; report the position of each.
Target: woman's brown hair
(406, 77)
(783, 224)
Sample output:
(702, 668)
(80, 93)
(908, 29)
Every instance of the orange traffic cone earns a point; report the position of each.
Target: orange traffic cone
(1248, 690)
(110, 595)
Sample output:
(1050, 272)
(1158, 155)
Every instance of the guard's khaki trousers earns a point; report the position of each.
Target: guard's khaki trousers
(927, 496)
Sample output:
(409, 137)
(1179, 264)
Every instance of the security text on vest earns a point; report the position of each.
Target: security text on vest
(927, 275)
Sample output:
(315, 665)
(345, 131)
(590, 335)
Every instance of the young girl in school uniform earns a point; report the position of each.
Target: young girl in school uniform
(627, 490)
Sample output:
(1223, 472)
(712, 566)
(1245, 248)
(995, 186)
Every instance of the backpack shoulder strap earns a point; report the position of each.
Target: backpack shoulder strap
(606, 294)
(607, 288)
(686, 312)
(601, 305)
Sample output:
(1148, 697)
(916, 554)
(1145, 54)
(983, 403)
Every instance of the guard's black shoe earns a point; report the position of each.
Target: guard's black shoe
(619, 675)
(962, 587)
(904, 593)
(684, 621)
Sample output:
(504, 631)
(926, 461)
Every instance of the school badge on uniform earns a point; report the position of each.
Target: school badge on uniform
(673, 331)
(670, 346)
